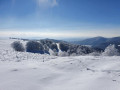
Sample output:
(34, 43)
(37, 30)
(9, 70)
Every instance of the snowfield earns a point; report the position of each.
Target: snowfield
(29, 71)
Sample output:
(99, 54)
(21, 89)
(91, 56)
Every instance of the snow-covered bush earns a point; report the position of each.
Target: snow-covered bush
(111, 51)
(53, 53)
(95, 54)
(17, 46)
(73, 54)
(63, 54)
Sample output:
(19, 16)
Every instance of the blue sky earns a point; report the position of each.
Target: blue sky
(60, 18)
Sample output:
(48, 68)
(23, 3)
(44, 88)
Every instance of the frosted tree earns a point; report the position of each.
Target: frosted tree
(111, 51)
(18, 46)
(34, 47)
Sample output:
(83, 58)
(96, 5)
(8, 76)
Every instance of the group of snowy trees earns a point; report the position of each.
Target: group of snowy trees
(41, 46)
(71, 49)
(66, 49)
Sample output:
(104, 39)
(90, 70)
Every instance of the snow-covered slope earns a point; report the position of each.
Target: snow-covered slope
(28, 71)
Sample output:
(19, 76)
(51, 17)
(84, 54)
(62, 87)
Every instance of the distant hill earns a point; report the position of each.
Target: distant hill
(100, 42)
(54, 40)
(91, 41)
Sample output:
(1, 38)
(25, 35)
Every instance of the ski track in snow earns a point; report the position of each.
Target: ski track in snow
(28, 71)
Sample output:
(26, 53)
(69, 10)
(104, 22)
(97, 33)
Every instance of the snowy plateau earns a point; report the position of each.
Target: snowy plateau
(29, 71)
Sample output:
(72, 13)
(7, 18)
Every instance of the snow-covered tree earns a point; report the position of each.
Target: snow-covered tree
(64, 46)
(54, 47)
(34, 47)
(95, 54)
(111, 51)
(18, 46)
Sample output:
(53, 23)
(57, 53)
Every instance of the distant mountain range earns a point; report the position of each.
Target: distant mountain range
(100, 42)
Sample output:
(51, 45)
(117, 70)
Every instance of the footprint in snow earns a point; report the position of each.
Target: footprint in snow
(13, 70)
(34, 68)
(114, 80)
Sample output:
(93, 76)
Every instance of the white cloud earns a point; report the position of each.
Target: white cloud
(49, 33)
(47, 3)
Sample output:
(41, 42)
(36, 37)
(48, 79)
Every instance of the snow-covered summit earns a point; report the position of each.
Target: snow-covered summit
(29, 71)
